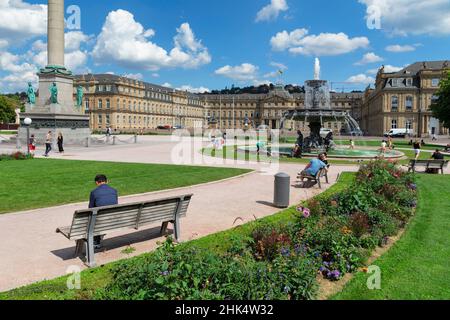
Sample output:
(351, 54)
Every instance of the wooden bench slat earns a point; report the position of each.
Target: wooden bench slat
(98, 221)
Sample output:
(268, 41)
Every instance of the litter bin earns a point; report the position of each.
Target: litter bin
(282, 190)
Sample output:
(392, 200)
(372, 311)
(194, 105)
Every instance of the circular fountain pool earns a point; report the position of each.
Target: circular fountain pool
(339, 153)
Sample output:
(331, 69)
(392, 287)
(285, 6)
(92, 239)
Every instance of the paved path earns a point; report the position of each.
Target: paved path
(31, 250)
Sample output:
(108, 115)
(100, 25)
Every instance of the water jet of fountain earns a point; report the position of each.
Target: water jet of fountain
(317, 69)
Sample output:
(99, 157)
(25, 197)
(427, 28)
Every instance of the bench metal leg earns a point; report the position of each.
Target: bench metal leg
(177, 229)
(164, 228)
(318, 181)
(326, 179)
(90, 259)
(79, 247)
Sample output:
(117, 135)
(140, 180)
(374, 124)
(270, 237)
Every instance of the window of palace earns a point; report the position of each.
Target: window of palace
(100, 119)
(108, 104)
(134, 106)
(134, 122)
(434, 98)
(394, 124)
(409, 103)
(409, 82)
(435, 82)
(86, 105)
(100, 104)
(394, 104)
(108, 119)
(409, 124)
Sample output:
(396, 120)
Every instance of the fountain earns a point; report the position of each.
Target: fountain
(317, 111)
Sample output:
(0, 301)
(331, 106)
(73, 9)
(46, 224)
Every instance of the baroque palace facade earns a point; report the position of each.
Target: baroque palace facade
(127, 105)
(402, 100)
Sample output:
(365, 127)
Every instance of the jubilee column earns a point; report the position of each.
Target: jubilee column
(55, 30)
(55, 109)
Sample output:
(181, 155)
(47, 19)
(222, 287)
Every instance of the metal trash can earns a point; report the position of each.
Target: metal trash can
(282, 190)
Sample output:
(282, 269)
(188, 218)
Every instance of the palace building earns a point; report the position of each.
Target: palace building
(128, 105)
(402, 100)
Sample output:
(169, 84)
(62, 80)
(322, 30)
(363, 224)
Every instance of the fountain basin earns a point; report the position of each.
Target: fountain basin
(339, 153)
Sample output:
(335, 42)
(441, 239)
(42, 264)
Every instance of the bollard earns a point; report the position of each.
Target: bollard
(18, 146)
(114, 140)
(135, 138)
(282, 190)
(87, 142)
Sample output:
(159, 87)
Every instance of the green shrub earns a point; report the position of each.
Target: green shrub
(331, 235)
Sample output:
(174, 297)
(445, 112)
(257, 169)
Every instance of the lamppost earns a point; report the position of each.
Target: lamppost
(27, 123)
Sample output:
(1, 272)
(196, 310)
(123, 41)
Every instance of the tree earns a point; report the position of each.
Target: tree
(7, 108)
(441, 107)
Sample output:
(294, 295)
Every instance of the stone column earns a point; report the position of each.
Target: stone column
(55, 33)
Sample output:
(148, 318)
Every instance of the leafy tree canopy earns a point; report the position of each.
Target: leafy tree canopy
(441, 108)
(8, 103)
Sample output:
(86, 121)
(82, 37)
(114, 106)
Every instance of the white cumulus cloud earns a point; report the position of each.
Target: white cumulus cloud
(193, 89)
(387, 69)
(272, 10)
(399, 48)
(124, 41)
(324, 44)
(415, 17)
(243, 72)
(20, 21)
(361, 79)
(369, 58)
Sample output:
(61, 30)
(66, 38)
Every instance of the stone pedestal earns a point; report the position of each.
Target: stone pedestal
(75, 128)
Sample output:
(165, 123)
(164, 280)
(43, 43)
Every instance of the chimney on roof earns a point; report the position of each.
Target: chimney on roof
(424, 65)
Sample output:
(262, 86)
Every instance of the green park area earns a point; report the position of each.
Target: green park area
(289, 255)
(39, 183)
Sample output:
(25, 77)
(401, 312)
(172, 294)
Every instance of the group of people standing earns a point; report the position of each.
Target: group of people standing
(48, 143)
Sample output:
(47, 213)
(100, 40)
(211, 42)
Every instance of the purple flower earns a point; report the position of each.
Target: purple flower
(285, 252)
(165, 273)
(334, 275)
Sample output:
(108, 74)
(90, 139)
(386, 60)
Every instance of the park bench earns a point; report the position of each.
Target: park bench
(322, 173)
(427, 164)
(86, 224)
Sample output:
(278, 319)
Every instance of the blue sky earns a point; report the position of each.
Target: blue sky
(200, 44)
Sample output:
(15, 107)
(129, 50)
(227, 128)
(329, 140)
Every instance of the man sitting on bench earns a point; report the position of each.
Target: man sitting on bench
(314, 166)
(102, 196)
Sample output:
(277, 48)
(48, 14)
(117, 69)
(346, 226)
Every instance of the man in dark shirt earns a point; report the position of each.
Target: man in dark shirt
(102, 196)
(438, 155)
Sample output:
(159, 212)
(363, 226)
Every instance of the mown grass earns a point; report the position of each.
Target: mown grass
(39, 183)
(93, 279)
(417, 267)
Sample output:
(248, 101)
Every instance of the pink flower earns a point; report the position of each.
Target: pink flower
(305, 212)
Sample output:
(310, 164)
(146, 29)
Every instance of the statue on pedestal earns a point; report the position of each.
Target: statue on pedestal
(17, 110)
(79, 96)
(54, 93)
(31, 94)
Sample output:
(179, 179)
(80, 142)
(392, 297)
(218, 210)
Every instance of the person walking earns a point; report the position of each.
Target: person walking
(48, 143)
(102, 196)
(32, 144)
(417, 147)
(60, 143)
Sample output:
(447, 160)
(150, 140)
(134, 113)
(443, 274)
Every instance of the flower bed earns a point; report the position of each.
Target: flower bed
(15, 156)
(329, 236)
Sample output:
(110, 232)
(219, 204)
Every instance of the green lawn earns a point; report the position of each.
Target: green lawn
(92, 279)
(41, 183)
(418, 265)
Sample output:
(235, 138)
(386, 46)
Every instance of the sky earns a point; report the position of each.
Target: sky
(201, 45)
